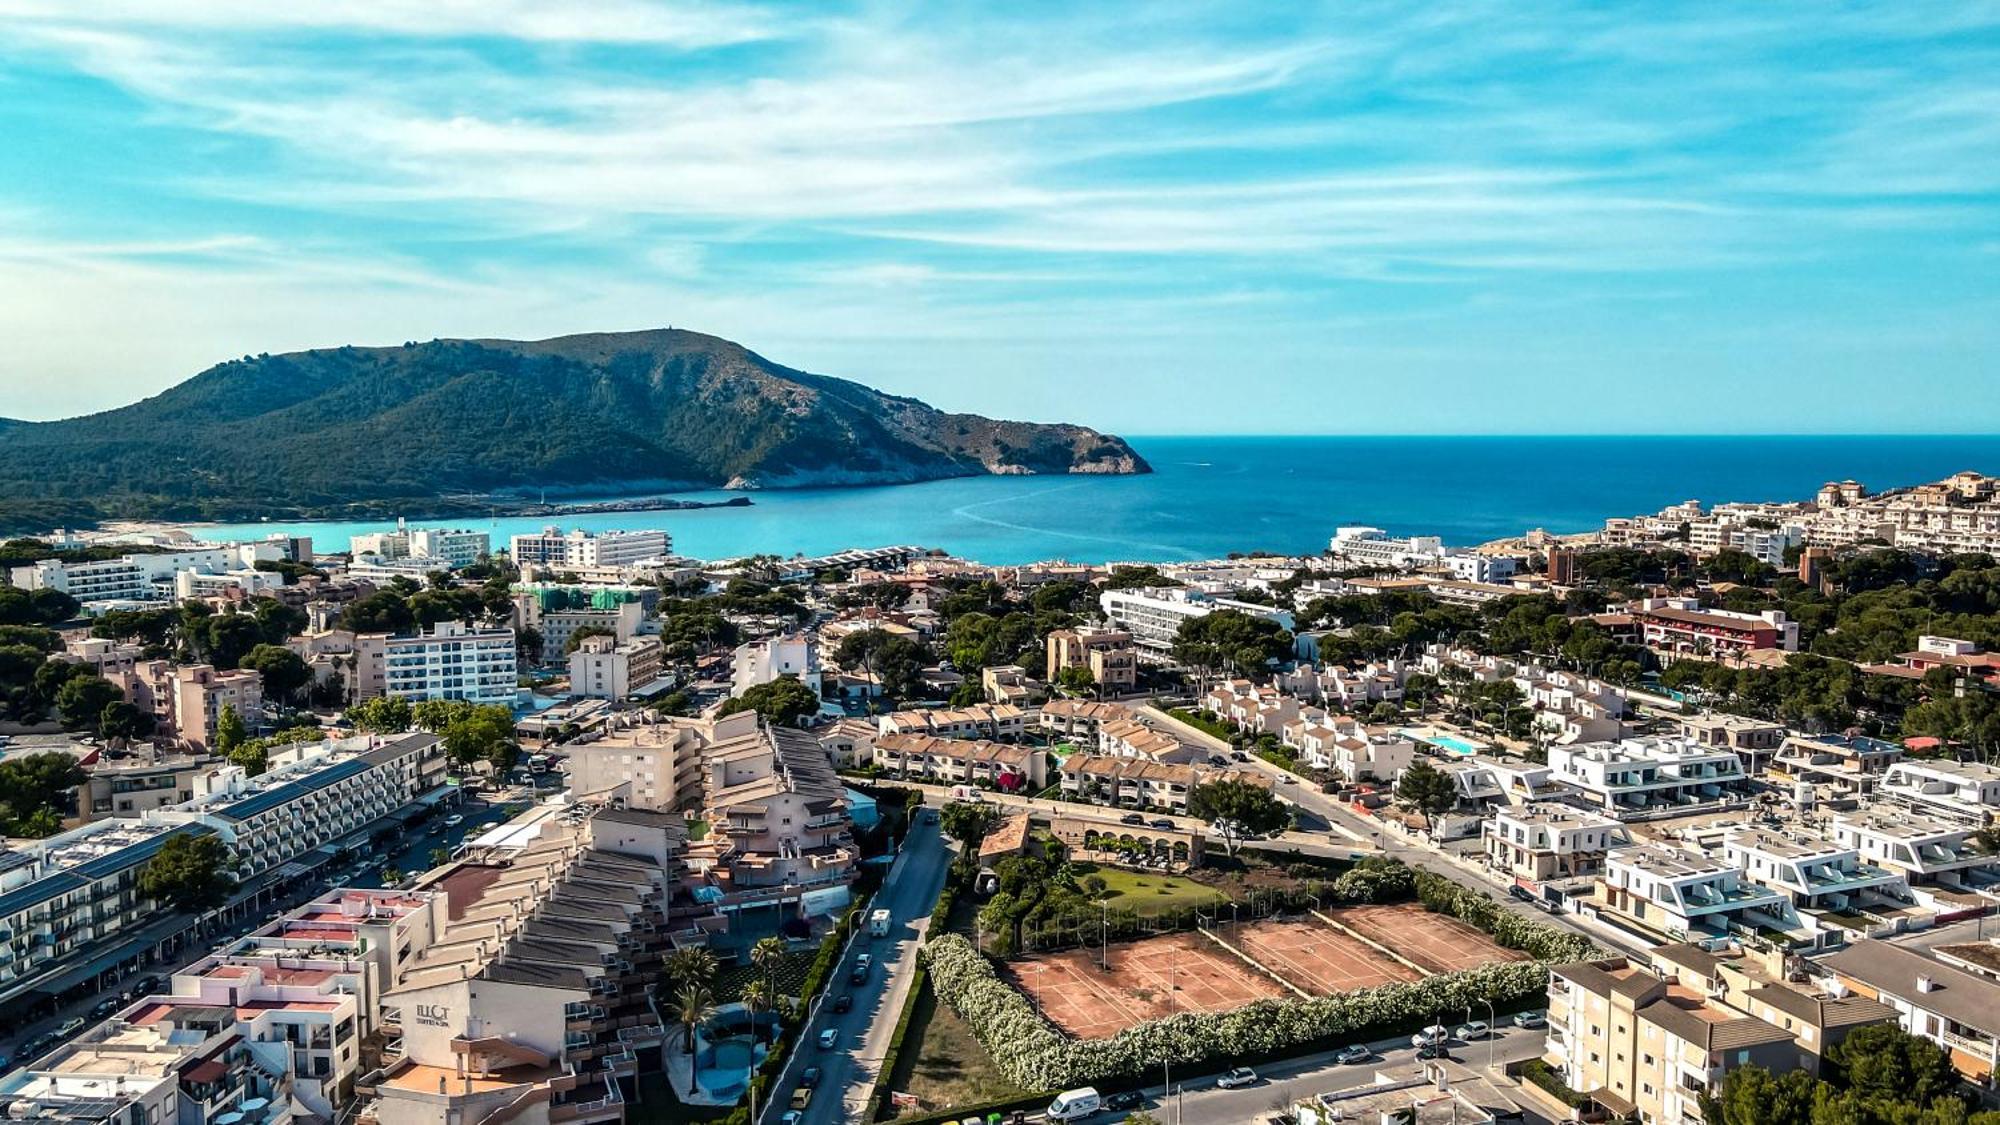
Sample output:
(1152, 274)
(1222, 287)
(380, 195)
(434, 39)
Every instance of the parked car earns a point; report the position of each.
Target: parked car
(802, 1097)
(1236, 1078)
(1288, 779)
(39, 1046)
(1434, 1051)
(1132, 818)
(104, 1008)
(1353, 1053)
(1522, 893)
(791, 1117)
(809, 1077)
(1217, 760)
(1161, 822)
(1239, 756)
(1125, 1099)
(1430, 1036)
(1533, 1021)
(70, 1027)
(453, 821)
(828, 1038)
(842, 1003)
(1477, 1029)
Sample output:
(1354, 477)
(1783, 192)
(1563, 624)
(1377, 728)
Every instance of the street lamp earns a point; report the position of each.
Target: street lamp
(1104, 935)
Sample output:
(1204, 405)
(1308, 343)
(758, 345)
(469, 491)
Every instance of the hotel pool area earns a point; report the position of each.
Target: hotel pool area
(1450, 743)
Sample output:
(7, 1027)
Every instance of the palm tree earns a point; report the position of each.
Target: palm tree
(755, 998)
(694, 1007)
(767, 955)
(690, 967)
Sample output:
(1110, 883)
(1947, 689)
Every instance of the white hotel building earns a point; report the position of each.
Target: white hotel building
(452, 662)
(140, 577)
(580, 548)
(1154, 616)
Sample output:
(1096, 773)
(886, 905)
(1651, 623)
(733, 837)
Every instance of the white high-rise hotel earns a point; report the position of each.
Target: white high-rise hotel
(590, 548)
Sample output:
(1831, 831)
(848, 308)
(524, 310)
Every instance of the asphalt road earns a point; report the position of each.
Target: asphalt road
(1199, 1100)
(847, 1071)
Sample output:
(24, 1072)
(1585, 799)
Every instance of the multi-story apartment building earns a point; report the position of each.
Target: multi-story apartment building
(1851, 765)
(138, 577)
(1956, 1009)
(1543, 843)
(1647, 773)
(331, 791)
(762, 661)
(1813, 874)
(74, 898)
(1680, 627)
(199, 694)
(558, 612)
(1107, 653)
(981, 720)
(1353, 751)
(1130, 738)
(657, 759)
(1755, 741)
(1153, 618)
(145, 780)
(955, 761)
(606, 668)
(555, 548)
(452, 662)
(1957, 792)
(70, 906)
(1134, 783)
(1923, 850)
(534, 1000)
(1079, 718)
(779, 827)
(1648, 1047)
(117, 1074)
(1682, 895)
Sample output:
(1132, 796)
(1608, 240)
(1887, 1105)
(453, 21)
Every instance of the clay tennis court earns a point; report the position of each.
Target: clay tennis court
(1438, 942)
(1090, 1003)
(1315, 956)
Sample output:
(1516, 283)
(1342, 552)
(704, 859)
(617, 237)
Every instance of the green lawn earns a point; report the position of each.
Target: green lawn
(943, 1063)
(790, 975)
(1147, 892)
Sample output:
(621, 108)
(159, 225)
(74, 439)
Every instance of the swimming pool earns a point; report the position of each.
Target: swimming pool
(1449, 742)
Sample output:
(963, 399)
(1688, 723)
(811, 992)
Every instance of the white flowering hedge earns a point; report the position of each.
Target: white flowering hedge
(1034, 1055)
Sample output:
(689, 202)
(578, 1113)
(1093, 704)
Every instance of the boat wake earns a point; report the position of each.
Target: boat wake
(967, 511)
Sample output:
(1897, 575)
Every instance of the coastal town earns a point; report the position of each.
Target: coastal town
(1700, 808)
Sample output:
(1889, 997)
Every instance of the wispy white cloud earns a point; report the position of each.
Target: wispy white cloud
(858, 174)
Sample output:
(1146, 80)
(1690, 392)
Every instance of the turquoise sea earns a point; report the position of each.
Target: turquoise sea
(1209, 496)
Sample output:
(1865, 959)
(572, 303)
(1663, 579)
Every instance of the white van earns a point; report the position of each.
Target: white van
(1072, 1104)
(970, 793)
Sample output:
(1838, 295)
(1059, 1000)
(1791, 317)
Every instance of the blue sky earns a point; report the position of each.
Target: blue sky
(1159, 218)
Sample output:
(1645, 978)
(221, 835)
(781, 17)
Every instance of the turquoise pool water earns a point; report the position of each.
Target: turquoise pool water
(1449, 742)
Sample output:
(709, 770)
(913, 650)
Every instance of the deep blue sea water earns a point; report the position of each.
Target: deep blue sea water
(1208, 496)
